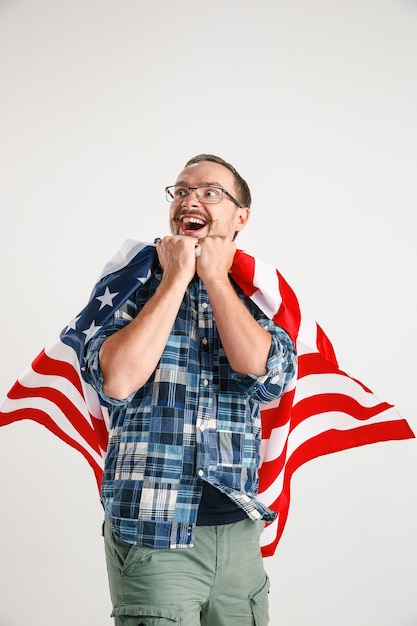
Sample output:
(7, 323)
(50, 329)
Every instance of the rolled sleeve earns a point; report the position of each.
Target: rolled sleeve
(281, 368)
(92, 358)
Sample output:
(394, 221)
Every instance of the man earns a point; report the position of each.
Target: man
(183, 365)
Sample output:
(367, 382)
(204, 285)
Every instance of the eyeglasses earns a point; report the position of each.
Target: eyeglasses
(207, 194)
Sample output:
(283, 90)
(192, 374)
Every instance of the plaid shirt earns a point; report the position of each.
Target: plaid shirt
(194, 418)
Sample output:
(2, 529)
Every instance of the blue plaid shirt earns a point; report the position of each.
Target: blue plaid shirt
(195, 418)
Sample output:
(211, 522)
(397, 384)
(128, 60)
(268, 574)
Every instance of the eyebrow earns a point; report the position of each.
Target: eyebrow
(202, 184)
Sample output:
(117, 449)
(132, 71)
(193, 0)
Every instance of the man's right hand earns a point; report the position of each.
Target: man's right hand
(176, 254)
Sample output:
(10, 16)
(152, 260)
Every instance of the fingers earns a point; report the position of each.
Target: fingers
(176, 254)
(214, 256)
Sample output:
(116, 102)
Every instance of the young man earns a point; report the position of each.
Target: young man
(183, 366)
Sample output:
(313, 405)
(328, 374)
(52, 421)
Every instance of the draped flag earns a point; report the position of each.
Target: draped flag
(323, 411)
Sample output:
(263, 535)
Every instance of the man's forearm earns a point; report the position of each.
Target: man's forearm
(245, 342)
(129, 356)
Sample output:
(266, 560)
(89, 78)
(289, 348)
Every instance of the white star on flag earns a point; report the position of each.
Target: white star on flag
(107, 298)
(89, 332)
(143, 279)
(72, 325)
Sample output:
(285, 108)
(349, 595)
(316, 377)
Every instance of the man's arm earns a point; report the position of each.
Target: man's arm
(129, 356)
(245, 342)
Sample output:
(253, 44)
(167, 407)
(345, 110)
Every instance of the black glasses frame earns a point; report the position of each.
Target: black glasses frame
(229, 195)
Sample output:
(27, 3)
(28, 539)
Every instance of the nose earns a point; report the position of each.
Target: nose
(191, 199)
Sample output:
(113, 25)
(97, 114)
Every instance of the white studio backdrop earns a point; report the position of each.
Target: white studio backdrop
(314, 101)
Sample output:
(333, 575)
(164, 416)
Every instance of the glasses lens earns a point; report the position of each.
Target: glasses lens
(209, 195)
(206, 194)
(175, 193)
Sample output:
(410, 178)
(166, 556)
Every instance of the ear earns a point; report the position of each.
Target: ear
(242, 216)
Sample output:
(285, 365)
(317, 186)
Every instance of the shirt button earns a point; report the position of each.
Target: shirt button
(204, 341)
(205, 382)
(202, 427)
(204, 305)
(201, 473)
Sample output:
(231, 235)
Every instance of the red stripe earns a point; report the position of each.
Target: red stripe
(269, 470)
(324, 345)
(289, 314)
(315, 363)
(18, 391)
(243, 271)
(334, 402)
(278, 415)
(44, 364)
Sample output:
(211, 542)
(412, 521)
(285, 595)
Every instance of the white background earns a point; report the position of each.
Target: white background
(314, 101)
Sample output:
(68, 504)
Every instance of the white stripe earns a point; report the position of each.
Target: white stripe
(271, 493)
(309, 428)
(62, 352)
(273, 447)
(33, 380)
(314, 384)
(318, 424)
(128, 250)
(307, 334)
(268, 297)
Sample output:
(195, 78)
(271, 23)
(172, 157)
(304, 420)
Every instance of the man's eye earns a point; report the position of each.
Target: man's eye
(180, 192)
(210, 192)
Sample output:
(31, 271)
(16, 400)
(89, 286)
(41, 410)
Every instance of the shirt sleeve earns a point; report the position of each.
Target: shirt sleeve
(281, 367)
(121, 318)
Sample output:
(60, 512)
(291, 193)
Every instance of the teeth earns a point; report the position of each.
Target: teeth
(193, 220)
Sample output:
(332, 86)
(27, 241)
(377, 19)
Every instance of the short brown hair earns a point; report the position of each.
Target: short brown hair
(242, 187)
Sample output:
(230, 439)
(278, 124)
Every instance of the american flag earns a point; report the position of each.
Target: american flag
(323, 411)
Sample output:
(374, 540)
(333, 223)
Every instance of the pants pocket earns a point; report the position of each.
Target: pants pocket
(147, 615)
(259, 603)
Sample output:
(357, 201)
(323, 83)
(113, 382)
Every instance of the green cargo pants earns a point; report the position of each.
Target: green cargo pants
(220, 581)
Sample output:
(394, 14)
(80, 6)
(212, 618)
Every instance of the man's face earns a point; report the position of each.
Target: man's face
(194, 218)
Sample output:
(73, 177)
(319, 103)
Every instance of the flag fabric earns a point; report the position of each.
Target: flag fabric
(323, 410)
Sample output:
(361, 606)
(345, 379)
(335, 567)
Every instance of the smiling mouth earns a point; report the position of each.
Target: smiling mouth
(191, 223)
